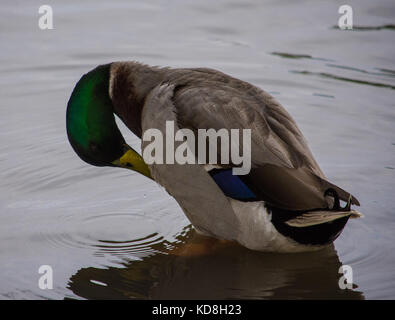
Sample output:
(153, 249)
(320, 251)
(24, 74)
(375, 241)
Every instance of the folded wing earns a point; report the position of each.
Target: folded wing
(284, 171)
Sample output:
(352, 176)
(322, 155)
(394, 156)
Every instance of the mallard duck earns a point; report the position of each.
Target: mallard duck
(284, 204)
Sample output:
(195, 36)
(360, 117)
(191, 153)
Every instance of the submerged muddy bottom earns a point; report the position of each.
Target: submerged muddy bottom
(107, 232)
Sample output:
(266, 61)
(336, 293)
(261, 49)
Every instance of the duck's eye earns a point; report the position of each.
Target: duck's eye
(93, 147)
(128, 164)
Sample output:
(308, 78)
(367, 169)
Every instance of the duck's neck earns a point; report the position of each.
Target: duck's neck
(130, 82)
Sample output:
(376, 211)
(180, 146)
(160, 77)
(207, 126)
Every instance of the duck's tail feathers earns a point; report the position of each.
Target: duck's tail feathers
(312, 218)
(315, 217)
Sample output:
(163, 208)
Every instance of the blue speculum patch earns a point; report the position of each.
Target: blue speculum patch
(231, 185)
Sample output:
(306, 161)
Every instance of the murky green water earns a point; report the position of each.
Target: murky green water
(104, 231)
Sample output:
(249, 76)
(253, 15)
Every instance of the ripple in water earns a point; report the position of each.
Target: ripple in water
(125, 234)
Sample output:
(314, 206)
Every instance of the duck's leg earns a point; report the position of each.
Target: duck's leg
(199, 245)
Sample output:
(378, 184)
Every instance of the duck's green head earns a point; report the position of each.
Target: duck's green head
(91, 126)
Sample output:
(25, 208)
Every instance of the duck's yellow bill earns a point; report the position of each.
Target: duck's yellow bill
(132, 160)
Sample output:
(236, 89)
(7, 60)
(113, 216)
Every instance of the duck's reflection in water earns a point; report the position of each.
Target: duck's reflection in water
(227, 271)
